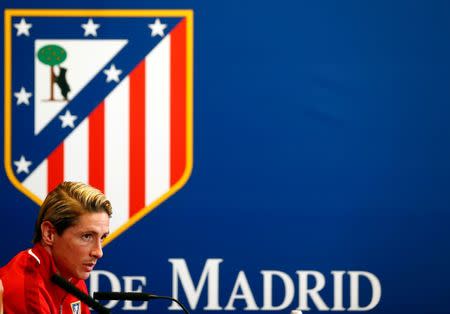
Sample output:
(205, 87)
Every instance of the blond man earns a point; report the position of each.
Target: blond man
(70, 228)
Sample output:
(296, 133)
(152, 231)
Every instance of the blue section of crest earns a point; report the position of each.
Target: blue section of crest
(140, 42)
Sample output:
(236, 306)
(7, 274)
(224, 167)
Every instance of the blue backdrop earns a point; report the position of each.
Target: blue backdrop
(321, 142)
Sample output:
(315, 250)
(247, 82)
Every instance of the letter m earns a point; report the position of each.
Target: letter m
(180, 273)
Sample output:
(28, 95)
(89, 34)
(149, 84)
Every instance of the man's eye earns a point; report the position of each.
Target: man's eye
(86, 237)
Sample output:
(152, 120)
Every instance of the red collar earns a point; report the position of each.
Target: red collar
(47, 267)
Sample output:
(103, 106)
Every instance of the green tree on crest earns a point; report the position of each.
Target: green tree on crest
(52, 55)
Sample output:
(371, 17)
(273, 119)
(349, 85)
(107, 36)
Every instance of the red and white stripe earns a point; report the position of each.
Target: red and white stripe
(133, 145)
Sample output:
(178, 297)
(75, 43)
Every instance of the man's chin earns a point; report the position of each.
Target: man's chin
(83, 275)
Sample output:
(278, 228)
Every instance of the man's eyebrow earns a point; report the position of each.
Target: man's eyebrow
(95, 232)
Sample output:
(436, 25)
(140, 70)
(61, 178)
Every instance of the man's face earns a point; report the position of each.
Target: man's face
(79, 247)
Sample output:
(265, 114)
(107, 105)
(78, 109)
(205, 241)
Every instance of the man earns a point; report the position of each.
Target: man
(70, 228)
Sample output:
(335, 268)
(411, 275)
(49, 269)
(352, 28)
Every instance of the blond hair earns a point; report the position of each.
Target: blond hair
(67, 202)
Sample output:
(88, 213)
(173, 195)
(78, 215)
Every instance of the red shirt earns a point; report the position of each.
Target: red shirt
(28, 289)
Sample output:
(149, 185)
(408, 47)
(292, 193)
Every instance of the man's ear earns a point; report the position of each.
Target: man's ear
(48, 233)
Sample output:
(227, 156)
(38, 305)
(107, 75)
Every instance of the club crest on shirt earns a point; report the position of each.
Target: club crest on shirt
(103, 97)
(76, 307)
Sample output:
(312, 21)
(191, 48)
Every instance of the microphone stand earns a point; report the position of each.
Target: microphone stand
(70, 288)
(173, 299)
(135, 296)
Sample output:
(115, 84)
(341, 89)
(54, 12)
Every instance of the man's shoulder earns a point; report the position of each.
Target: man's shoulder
(24, 257)
(25, 262)
(23, 283)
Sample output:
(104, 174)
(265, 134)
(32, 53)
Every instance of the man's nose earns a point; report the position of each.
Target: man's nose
(97, 251)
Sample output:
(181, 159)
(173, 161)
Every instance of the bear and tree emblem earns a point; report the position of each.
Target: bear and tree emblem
(53, 55)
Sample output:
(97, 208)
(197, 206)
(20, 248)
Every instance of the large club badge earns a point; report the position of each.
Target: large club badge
(103, 97)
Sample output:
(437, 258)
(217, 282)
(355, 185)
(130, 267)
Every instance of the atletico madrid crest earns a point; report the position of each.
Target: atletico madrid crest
(103, 97)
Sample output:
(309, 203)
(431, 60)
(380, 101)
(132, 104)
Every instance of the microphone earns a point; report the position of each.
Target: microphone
(131, 296)
(134, 296)
(70, 288)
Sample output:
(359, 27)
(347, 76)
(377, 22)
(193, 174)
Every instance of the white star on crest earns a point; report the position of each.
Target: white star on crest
(157, 28)
(22, 96)
(67, 119)
(90, 28)
(23, 28)
(112, 74)
(22, 165)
